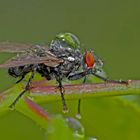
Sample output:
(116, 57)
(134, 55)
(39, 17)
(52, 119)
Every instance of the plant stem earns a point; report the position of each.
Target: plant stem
(42, 92)
(86, 90)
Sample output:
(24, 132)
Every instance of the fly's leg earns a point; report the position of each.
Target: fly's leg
(23, 72)
(85, 79)
(111, 81)
(26, 89)
(79, 75)
(75, 76)
(17, 98)
(78, 115)
(22, 77)
(79, 102)
(62, 91)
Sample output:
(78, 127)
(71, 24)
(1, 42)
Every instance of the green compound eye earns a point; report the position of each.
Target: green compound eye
(70, 39)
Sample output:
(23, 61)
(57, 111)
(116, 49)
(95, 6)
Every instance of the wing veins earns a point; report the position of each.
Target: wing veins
(47, 60)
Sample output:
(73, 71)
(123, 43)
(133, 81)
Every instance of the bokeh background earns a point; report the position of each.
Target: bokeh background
(109, 27)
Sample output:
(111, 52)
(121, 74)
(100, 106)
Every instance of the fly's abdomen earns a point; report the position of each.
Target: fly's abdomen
(15, 71)
(44, 71)
(19, 71)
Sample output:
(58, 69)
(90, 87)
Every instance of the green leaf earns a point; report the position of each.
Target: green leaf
(103, 117)
(58, 129)
(108, 118)
(111, 118)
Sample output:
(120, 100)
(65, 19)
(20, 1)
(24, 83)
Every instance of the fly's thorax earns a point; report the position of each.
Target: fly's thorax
(72, 62)
(67, 47)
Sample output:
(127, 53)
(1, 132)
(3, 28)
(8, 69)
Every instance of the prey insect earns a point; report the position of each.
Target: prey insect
(61, 59)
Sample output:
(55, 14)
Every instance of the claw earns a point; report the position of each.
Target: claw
(65, 109)
(78, 116)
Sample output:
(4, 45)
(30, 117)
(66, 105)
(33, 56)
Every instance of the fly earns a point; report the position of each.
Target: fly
(61, 59)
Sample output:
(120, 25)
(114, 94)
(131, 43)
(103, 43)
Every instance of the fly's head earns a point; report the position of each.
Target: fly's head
(92, 62)
(89, 60)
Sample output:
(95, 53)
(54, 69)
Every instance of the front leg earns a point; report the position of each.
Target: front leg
(109, 80)
(78, 75)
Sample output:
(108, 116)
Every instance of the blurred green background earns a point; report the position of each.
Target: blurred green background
(109, 27)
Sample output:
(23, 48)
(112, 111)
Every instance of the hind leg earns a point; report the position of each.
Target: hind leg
(26, 89)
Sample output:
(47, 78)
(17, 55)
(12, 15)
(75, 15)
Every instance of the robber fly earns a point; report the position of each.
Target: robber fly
(61, 59)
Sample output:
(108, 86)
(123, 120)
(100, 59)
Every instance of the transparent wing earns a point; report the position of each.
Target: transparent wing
(15, 47)
(49, 59)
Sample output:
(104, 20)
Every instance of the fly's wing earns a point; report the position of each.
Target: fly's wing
(15, 47)
(49, 59)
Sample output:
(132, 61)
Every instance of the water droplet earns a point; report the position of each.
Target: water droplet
(76, 126)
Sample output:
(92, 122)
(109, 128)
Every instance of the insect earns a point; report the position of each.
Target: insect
(61, 59)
